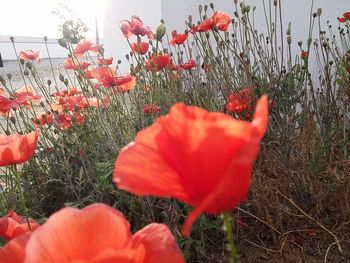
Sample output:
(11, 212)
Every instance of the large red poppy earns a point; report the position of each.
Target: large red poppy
(69, 63)
(204, 159)
(13, 225)
(95, 234)
(30, 55)
(104, 61)
(17, 149)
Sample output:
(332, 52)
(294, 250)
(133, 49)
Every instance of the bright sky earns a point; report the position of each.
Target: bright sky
(35, 18)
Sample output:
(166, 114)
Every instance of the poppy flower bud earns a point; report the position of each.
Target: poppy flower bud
(2, 80)
(13, 120)
(319, 11)
(9, 76)
(235, 1)
(289, 40)
(212, 6)
(29, 65)
(247, 8)
(21, 61)
(160, 32)
(42, 104)
(12, 199)
(275, 2)
(101, 50)
(314, 14)
(12, 39)
(49, 82)
(119, 61)
(300, 43)
(26, 72)
(66, 82)
(200, 8)
(190, 18)
(127, 57)
(205, 8)
(289, 29)
(254, 8)
(61, 77)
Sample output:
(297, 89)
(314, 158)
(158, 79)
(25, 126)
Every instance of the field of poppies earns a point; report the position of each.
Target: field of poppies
(218, 145)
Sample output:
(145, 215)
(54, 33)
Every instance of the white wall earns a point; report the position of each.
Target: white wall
(175, 12)
(34, 43)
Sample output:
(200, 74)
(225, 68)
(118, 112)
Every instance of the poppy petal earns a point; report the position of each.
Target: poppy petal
(159, 243)
(14, 251)
(73, 234)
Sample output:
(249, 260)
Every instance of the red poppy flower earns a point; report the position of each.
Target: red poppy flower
(135, 27)
(158, 61)
(149, 109)
(342, 19)
(241, 102)
(44, 119)
(219, 19)
(17, 149)
(13, 225)
(76, 65)
(347, 15)
(104, 61)
(7, 104)
(83, 46)
(28, 91)
(30, 55)
(108, 78)
(201, 158)
(304, 54)
(63, 121)
(89, 74)
(97, 233)
(140, 48)
(177, 39)
(188, 65)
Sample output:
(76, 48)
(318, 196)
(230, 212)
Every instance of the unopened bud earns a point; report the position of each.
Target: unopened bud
(29, 65)
(212, 6)
(160, 32)
(61, 77)
(289, 40)
(319, 11)
(9, 76)
(200, 8)
(26, 72)
(275, 2)
(49, 82)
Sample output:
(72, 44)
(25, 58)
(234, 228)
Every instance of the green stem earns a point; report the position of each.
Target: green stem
(21, 195)
(229, 236)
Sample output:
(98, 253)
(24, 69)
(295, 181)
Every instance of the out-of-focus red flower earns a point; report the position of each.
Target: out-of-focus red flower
(78, 119)
(135, 27)
(63, 121)
(109, 78)
(219, 19)
(241, 102)
(150, 109)
(17, 149)
(44, 119)
(342, 19)
(304, 54)
(140, 48)
(66, 92)
(76, 65)
(201, 158)
(104, 61)
(188, 65)
(158, 61)
(30, 55)
(97, 233)
(21, 98)
(13, 225)
(347, 15)
(89, 74)
(83, 46)
(177, 39)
